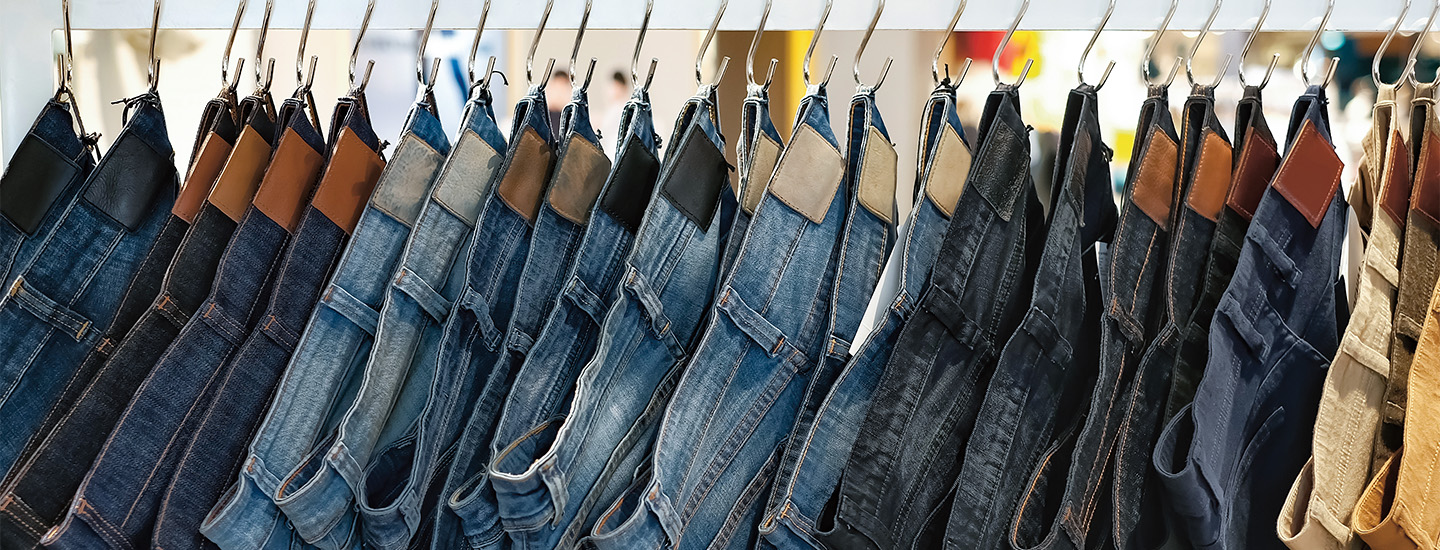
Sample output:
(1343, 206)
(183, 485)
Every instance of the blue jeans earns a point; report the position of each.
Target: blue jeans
(757, 151)
(44, 176)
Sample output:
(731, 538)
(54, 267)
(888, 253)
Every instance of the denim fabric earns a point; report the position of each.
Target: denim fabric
(757, 151)
(56, 309)
(215, 452)
(1044, 370)
(1227, 459)
(314, 479)
(117, 503)
(1070, 481)
(545, 383)
(798, 511)
(51, 157)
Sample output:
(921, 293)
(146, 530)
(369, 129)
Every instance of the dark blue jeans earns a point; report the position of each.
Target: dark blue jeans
(42, 180)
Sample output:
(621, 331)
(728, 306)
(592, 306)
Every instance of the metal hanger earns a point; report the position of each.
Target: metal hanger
(482, 83)
(1080, 68)
(1385, 45)
(935, 61)
(65, 67)
(1415, 50)
(301, 79)
(535, 43)
(638, 89)
(751, 86)
(154, 66)
(1150, 50)
(705, 45)
(262, 87)
(855, 67)
(815, 39)
(228, 85)
(1220, 74)
(1274, 58)
(427, 86)
(1310, 48)
(575, 52)
(357, 89)
(1004, 41)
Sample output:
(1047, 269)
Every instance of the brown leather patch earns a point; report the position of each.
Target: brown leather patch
(809, 174)
(1395, 193)
(289, 180)
(524, 182)
(578, 180)
(1310, 174)
(1154, 185)
(208, 163)
(236, 185)
(877, 177)
(762, 166)
(949, 170)
(1211, 181)
(348, 181)
(1425, 197)
(1258, 161)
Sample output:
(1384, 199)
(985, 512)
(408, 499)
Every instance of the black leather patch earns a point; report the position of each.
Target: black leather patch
(630, 186)
(696, 178)
(127, 180)
(37, 175)
(1001, 168)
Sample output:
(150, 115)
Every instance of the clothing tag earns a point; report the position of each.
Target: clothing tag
(885, 292)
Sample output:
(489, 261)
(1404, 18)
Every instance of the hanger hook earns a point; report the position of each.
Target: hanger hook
(304, 36)
(705, 45)
(1080, 68)
(577, 85)
(484, 81)
(225, 82)
(935, 61)
(1415, 49)
(1310, 48)
(750, 59)
(635, 58)
(1150, 50)
(864, 40)
(262, 81)
(815, 39)
(154, 67)
(426, 85)
(1385, 45)
(1250, 40)
(357, 89)
(67, 62)
(1004, 41)
(1209, 21)
(535, 43)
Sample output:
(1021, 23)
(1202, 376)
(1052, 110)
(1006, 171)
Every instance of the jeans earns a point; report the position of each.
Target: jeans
(797, 513)
(1057, 509)
(1227, 459)
(757, 151)
(43, 178)
(1043, 369)
(117, 503)
(545, 382)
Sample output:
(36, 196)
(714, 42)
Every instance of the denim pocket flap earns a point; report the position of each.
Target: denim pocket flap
(51, 312)
(752, 323)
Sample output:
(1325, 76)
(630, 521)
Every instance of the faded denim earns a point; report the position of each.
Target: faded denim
(757, 151)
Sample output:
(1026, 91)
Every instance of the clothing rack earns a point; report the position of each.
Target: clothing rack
(26, 26)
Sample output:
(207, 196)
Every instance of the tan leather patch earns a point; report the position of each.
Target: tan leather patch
(208, 163)
(348, 181)
(1212, 177)
(524, 182)
(1258, 161)
(1395, 193)
(462, 184)
(877, 177)
(949, 170)
(1425, 197)
(405, 186)
(809, 174)
(1154, 185)
(767, 153)
(236, 185)
(578, 180)
(1310, 174)
(289, 180)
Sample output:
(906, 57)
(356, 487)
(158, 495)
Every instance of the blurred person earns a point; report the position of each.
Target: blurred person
(557, 94)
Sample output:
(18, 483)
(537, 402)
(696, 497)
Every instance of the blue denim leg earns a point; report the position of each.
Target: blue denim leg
(43, 178)
(757, 151)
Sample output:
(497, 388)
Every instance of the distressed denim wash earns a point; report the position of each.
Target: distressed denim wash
(57, 307)
(1045, 369)
(1069, 482)
(1255, 159)
(216, 451)
(245, 515)
(1227, 459)
(667, 284)
(756, 152)
(1317, 511)
(797, 511)
(36, 493)
(545, 383)
(316, 489)
(1419, 267)
(117, 503)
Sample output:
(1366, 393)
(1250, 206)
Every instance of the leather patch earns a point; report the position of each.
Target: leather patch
(1425, 197)
(524, 182)
(38, 174)
(128, 178)
(288, 180)
(238, 181)
(762, 167)
(348, 181)
(203, 170)
(461, 186)
(631, 183)
(949, 170)
(877, 177)
(1310, 174)
(695, 178)
(1004, 165)
(578, 180)
(810, 172)
(403, 189)
(1258, 161)
(1395, 192)
(1211, 181)
(1154, 185)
